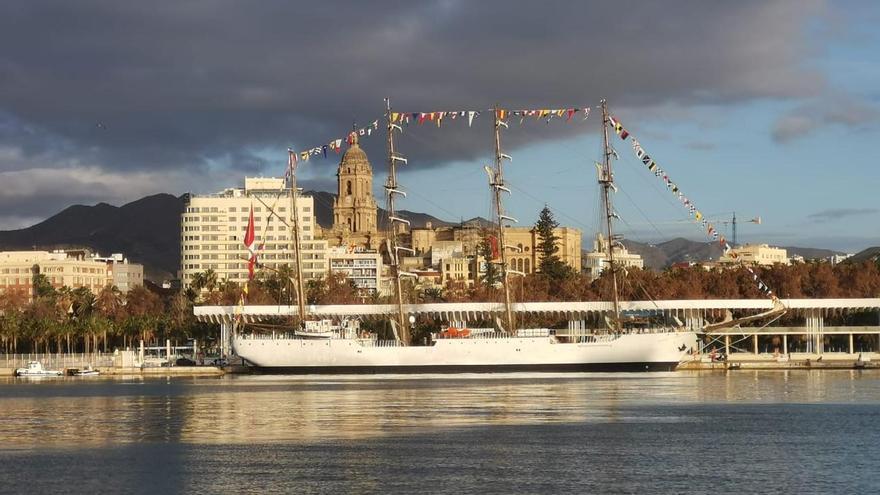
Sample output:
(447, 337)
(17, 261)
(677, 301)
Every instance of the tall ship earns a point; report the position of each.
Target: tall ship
(315, 347)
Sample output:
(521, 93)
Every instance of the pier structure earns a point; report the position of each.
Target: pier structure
(814, 328)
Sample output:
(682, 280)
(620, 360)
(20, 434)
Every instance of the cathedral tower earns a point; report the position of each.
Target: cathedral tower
(354, 209)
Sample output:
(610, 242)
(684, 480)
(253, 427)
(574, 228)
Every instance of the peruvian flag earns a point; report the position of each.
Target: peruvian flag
(249, 243)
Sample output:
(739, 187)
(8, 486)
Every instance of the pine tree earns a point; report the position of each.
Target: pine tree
(550, 264)
(492, 275)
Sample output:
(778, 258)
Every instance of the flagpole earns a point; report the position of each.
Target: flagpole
(294, 227)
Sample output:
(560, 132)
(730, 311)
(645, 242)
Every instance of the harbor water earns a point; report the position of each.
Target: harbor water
(685, 432)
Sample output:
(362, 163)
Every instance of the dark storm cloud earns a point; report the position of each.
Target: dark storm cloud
(193, 86)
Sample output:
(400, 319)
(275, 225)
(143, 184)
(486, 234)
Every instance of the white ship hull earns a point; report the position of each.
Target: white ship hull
(627, 352)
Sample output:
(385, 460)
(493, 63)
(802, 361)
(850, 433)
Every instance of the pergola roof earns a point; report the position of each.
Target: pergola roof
(470, 311)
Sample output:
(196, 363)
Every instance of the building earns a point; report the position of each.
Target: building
(595, 261)
(835, 259)
(458, 268)
(123, 274)
(453, 250)
(360, 265)
(72, 269)
(756, 254)
(355, 220)
(213, 228)
(524, 256)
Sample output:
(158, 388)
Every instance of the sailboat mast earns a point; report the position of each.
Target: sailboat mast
(607, 182)
(391, 188)
(294, 234)
(497, 188)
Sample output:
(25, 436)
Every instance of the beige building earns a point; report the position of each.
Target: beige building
(453, 250)
(123, 274)
(213, 228)
(62, 269)
(757, 254)
(525, 258)
(596, 260)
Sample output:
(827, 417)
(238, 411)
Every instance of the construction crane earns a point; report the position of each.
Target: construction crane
(732, 224)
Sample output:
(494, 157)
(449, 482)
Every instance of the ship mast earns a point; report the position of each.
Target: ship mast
(294, 234)
(606, 180)
(496, 182)
(392, 188)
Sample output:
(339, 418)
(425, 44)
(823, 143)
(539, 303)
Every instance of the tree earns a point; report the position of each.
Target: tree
(549, 264)
(42, 286)
(492, 275)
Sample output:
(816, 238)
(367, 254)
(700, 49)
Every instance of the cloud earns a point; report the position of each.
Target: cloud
(26, 192)
(835, 109)
(841, 213)
(195, 89)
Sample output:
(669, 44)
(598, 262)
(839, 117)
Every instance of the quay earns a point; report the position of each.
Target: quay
(120, 363)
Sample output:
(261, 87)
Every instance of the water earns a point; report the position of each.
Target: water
(739, 432)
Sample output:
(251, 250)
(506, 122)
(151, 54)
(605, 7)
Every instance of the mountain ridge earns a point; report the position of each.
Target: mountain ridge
(147, 231)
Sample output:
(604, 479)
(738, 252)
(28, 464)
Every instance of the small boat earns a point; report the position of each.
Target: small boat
(35, 368)
(87, 371)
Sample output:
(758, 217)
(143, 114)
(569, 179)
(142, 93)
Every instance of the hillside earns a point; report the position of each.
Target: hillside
(147, 231)
(661, 255)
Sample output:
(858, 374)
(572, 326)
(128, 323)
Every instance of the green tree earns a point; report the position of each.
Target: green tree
(492, 275)
(550, 264)
(42, 286)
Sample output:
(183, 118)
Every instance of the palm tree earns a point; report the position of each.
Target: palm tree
(110, 304)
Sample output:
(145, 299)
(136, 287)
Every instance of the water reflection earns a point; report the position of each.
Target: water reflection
(304, 410)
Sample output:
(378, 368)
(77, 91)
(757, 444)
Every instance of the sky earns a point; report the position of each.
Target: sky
(763, 108)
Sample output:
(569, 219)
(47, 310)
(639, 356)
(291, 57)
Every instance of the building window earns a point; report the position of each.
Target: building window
(348, 187)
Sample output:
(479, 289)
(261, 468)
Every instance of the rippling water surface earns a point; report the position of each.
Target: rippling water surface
(740, 432)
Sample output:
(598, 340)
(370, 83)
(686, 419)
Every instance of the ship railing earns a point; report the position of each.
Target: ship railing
(378, 343)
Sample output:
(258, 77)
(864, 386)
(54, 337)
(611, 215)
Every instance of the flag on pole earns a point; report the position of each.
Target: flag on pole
(249, 238)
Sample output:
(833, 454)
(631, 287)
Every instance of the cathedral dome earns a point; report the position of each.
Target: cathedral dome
(354, 158)
(354, 154)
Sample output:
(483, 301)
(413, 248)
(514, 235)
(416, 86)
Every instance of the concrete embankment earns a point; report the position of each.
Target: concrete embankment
(157, 371)
(793, 362)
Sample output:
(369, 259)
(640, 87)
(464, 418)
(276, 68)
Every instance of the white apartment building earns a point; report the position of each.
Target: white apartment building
(213, 227)
(361, 266)
(596, 260)
(756, 254)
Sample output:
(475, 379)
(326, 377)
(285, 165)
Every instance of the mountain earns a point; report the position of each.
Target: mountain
(659, 256)
(147, 231)
(869, 254)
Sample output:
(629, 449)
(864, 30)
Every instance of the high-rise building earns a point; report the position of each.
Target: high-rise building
(213, 228)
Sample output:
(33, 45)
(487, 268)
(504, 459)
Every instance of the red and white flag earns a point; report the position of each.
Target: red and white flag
(250, 244)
